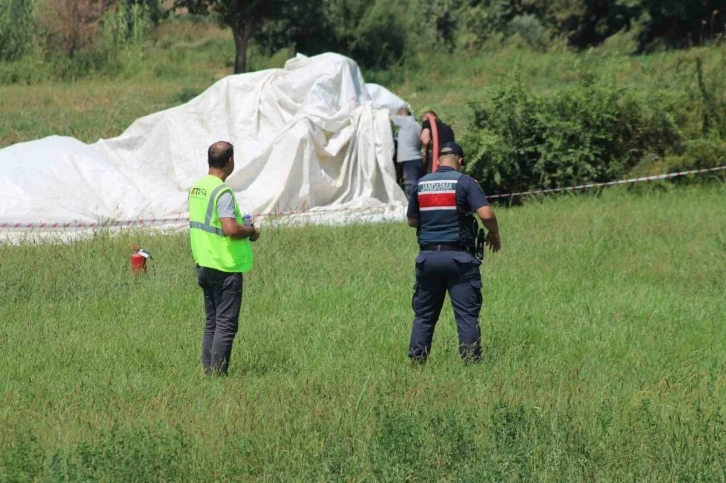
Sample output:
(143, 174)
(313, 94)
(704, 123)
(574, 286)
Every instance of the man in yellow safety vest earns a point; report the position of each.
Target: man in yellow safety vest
(222, 252)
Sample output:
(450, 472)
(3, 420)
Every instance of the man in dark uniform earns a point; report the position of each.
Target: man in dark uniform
(441, 208)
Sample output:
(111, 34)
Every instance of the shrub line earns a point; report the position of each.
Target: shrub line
(611, 183)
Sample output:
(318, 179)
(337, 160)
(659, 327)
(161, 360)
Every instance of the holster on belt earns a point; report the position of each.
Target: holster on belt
(479, 244)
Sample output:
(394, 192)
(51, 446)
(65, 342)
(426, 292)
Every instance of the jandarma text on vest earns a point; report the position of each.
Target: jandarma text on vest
(437, 185)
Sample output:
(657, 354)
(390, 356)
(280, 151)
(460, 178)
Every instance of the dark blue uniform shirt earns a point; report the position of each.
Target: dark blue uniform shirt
(469, 195)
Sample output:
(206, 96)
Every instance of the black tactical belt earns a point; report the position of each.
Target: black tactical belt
(443, 248)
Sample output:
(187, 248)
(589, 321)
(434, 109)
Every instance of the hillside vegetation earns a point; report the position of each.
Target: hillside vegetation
(541, 94)
(88, 34)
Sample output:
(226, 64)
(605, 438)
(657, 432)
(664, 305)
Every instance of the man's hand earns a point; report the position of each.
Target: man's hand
(489, 220)
(232, 229)
(493, 242)
(256, 235)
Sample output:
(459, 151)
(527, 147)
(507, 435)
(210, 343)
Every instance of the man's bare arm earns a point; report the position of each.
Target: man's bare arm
(489, 219)
(425, 137)
(413, 222)
(487, 216)
(234, 230)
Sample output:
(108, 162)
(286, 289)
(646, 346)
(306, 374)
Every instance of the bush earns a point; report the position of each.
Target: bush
(591, 132)
(123, 33)
(78, 39)
(530, 29)
(70, 26)
(17, 19)
(379, 39)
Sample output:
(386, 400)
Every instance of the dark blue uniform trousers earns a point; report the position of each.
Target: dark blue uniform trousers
(436, 273)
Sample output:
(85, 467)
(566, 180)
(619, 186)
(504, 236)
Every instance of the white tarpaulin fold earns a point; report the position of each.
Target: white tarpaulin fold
(308, 137)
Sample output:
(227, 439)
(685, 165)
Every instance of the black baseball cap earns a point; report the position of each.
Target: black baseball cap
(451, 148)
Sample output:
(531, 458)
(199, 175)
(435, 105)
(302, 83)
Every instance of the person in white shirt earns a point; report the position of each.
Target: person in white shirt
(408, 155)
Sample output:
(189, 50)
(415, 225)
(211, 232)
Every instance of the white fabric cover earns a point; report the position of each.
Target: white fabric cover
(308, 137)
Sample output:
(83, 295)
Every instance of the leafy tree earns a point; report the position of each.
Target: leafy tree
(16, 28)
(373, 32)
(155, 8)
(244, 17)
(681, 23)
(71, 26)
(584, 23)
(306, 27)
(589, 132)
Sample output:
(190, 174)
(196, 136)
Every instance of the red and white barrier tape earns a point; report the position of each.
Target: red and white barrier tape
(93, 224)
(609, 183)
(168, 221)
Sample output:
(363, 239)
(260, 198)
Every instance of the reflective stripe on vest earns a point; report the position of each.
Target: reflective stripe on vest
(210, 246)
(206, 226)
(439, 194)
(439, 219)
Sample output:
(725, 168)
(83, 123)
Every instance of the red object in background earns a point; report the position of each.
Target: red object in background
(138, 263)
(138, 259)
(435, 141)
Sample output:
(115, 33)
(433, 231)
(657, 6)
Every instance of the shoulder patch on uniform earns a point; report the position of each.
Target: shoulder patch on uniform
(477, 184)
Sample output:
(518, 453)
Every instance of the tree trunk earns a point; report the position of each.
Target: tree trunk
(241, 39)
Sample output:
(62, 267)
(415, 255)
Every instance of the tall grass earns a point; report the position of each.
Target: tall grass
(604, 356)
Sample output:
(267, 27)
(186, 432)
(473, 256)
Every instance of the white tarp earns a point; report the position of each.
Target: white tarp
(309, 137)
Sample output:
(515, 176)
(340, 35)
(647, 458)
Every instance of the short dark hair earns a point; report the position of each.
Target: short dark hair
(429, 112)
(219, 153)
(451, 148)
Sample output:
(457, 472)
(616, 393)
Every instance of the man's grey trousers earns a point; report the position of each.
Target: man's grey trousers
(222, 302)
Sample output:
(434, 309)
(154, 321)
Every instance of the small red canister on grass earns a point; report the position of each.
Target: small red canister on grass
(138, 260)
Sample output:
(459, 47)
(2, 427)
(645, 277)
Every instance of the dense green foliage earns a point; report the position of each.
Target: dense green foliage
(376, 33)
(586, 124)
(526, 119)
(16, 28)
(380, 33)
(593, 131)
(604, 342)
(583, 23)
(62, 40)
(245, 19)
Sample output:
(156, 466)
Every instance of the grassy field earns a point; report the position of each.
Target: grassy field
(603, 323)
(604, 359)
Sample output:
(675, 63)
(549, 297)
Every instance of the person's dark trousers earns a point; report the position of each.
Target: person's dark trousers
(222, 302)
(436, 273)
(411, 174)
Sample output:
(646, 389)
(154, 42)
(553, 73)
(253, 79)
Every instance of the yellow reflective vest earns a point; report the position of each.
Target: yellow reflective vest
(210, 247)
